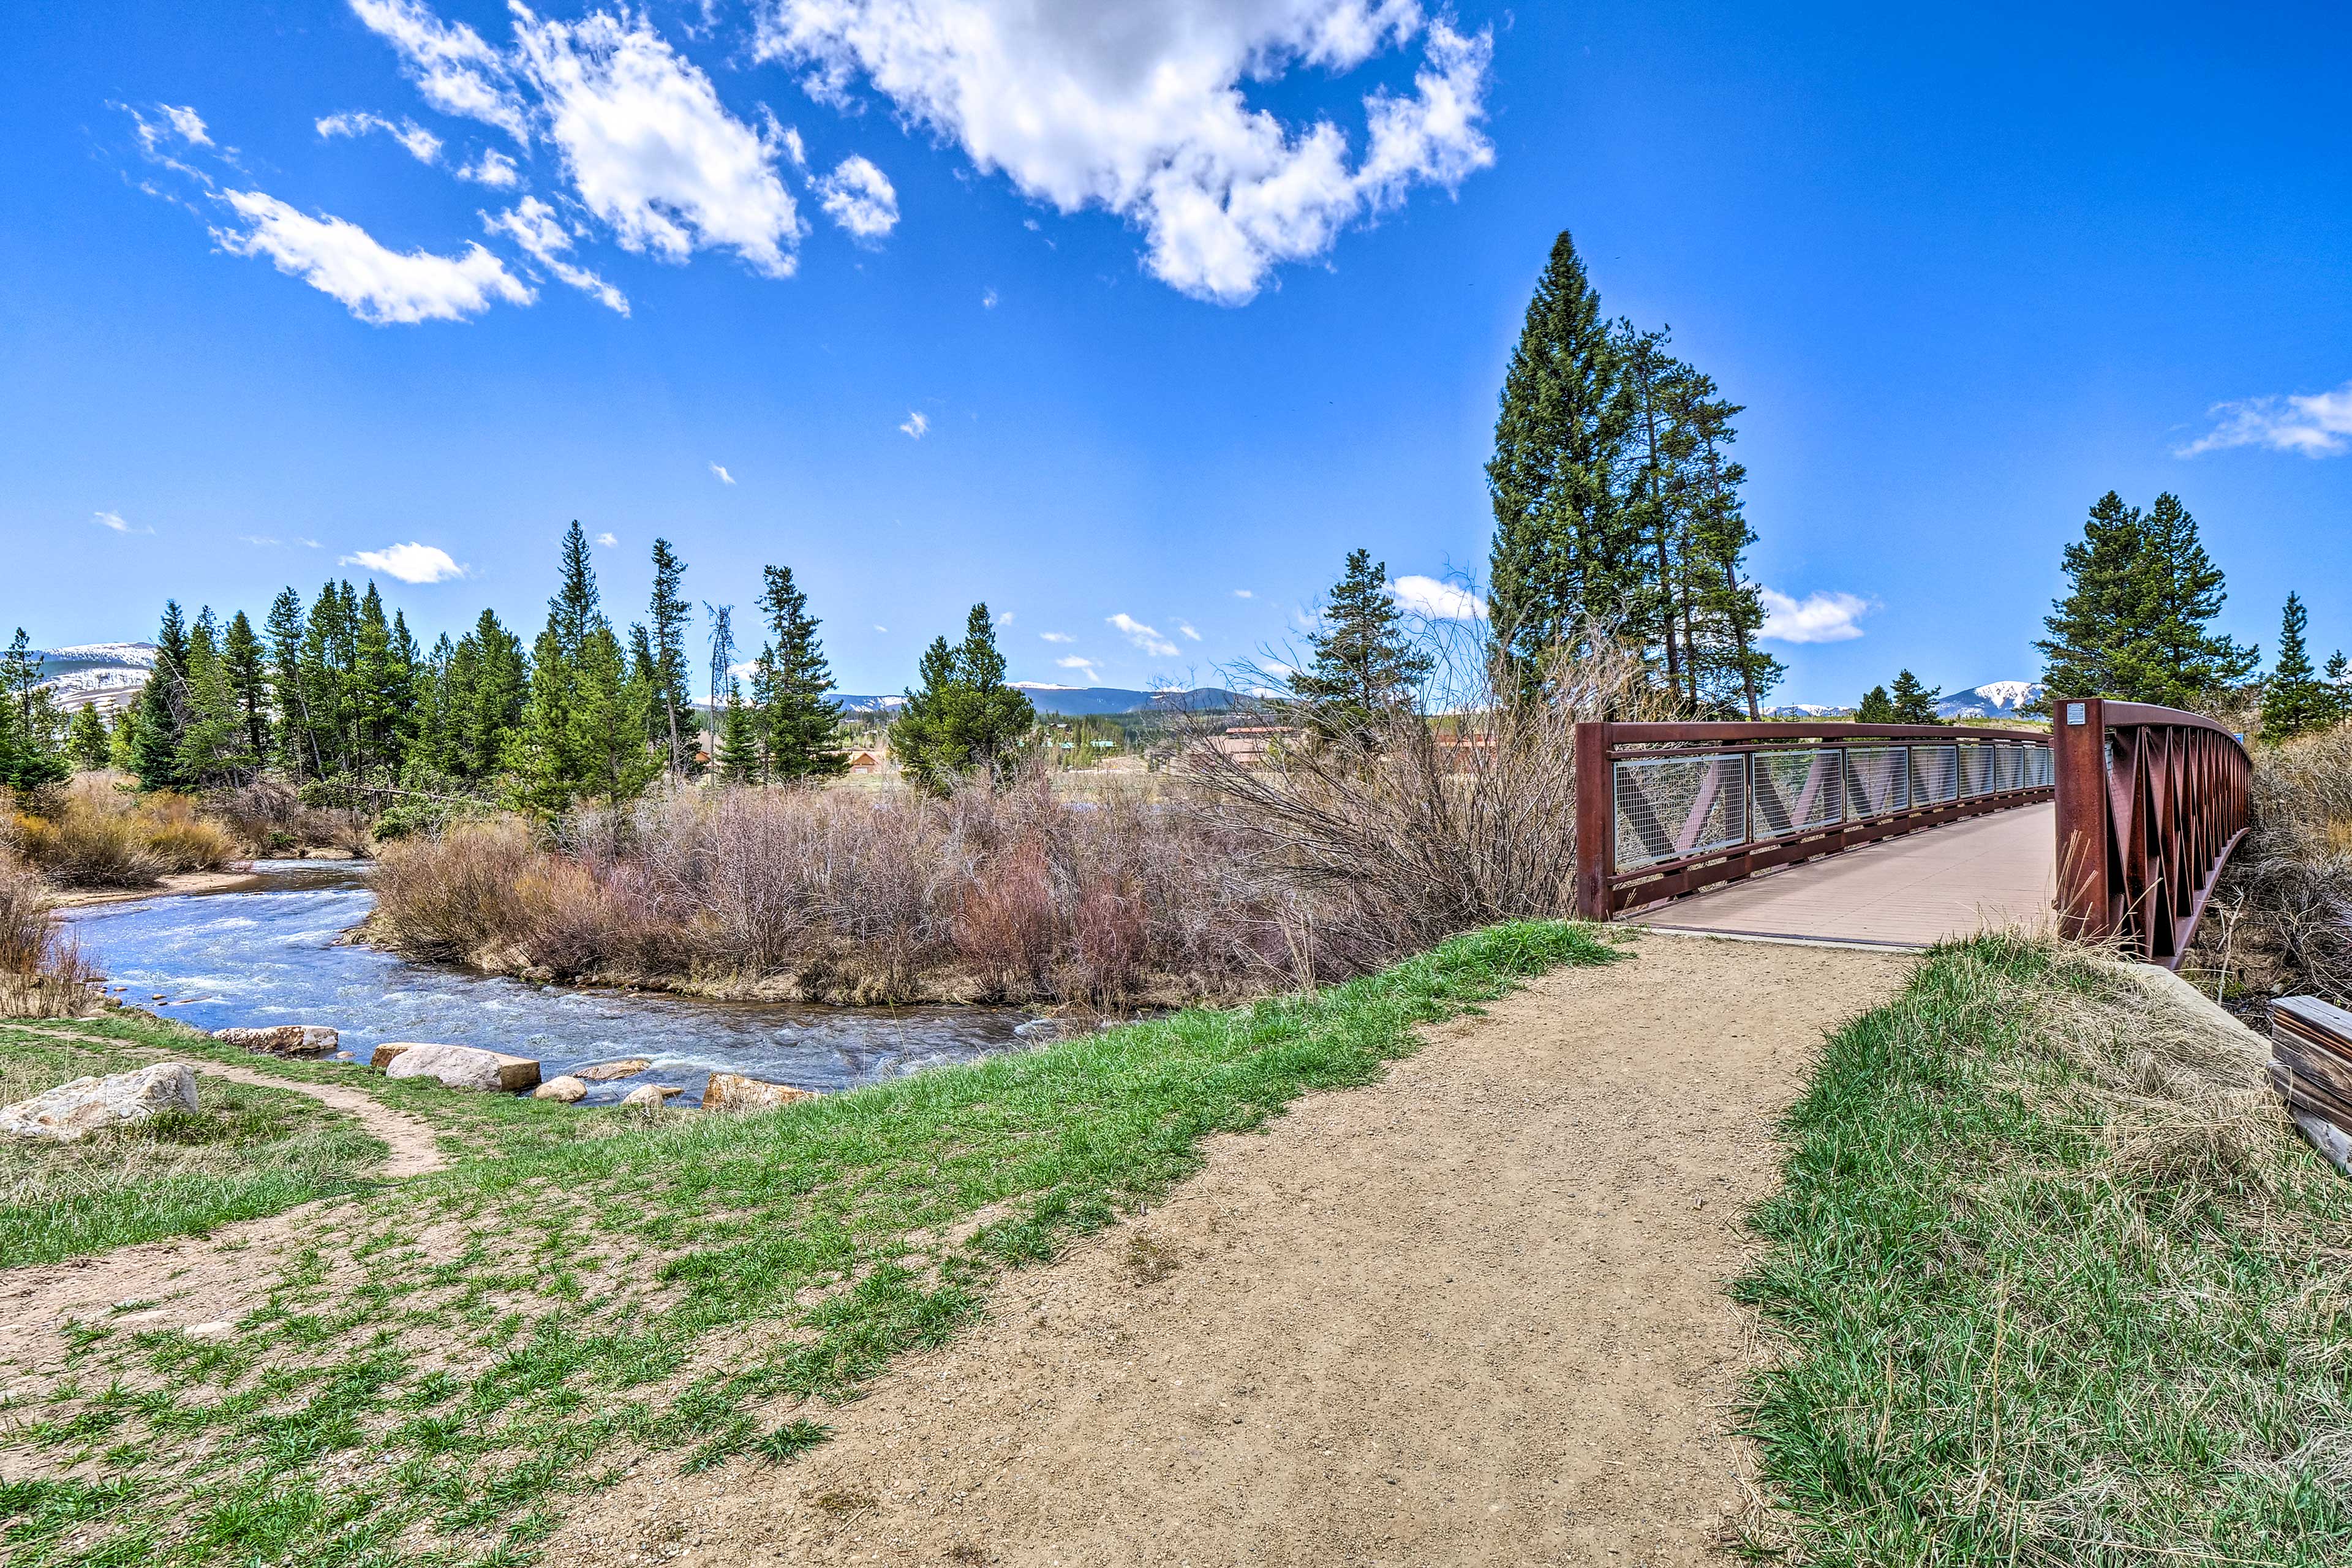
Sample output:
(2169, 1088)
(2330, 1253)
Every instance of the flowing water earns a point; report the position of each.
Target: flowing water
(269, 955)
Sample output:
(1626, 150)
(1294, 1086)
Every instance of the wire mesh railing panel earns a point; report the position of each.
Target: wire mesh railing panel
(1976, 768)
(1797, 791)
(1935, 774)
(1668, 808)
(2042, 767)
(1878, 779)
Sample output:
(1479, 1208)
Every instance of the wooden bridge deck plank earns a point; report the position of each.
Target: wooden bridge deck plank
(1982, 873)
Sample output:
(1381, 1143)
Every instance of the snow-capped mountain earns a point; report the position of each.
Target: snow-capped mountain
(1807, 710)
(1993, 699)
(107, 674)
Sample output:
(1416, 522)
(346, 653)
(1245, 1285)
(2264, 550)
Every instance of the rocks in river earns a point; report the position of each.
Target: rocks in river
(604, 1073)
(650, 1095)
(327, 852)
(457, 1066)
(87, 1104)
(567, 1088)
(733, 1091)
(283, 1041)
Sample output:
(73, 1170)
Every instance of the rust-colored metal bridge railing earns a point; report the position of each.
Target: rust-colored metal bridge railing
(2151, 800)
(1688, 806)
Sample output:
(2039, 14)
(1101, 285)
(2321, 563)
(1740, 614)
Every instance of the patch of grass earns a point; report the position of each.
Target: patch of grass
(2057, 1286)
(426, 1383)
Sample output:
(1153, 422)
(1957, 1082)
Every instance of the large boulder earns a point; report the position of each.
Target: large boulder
(87, 1104)
(458, 1067)
(283, 1041)
(650, 1095)
(566, 1087)
(733, 1091)
(604, 1073)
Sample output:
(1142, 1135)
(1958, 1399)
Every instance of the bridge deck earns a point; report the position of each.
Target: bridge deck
(1987, 871)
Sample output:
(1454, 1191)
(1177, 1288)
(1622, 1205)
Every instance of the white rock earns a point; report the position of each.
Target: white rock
(649, 1094)
(71, 1110)
(567, 1088)
(733, 1091)
(459, 1066)
(209, 1330)
(284, 1040)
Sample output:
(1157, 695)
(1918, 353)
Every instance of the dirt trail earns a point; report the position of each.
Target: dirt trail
(1474, 1314)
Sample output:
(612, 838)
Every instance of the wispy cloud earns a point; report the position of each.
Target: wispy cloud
(916, 423)
(1141, 635)
(1244, 594)
(724, 477)
(493, 169)
(113, 520)
(409, 563)
(254, 539)
(1817, 618)
(1437, 601)
(2316, 425)
(421, 143)
(533, 224)
(988, 299)
(858, 198)
(1057, 637)
(1186, 627)
(1079, 662)
(377, 284)
(607, 541)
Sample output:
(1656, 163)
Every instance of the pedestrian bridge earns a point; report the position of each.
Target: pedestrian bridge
(2112, 827)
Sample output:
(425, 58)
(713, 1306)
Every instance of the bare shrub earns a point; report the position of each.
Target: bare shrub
(92, 833)
(179, 837)
(1451, 810)
(2287, 900)
(447, 897)
(268, 816)
(43, 973)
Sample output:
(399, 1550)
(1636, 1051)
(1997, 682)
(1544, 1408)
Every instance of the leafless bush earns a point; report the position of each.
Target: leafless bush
(43, 973)
(91, 835)
(269, 818)
(2288, 893)
(447, 898)
(1453, 810)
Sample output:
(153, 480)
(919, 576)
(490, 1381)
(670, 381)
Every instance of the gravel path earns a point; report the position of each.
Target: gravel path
(1473, 1314)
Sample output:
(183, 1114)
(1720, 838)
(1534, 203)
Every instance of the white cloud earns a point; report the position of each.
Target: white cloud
(795, 148)
(1056, 637)
(409, 563)
(1140, 111)
(607, 541)
(880, 628)
(1818, 617)
(254, 539)
(650, 149)
(374, 283)
(988, 299)
(421, 143)
(858, 198)
(1004, 617)
(493, 169)
(113, 520)
(724, 477)
(1244, 594)
(533, 224)
(1437, 601)
(1076, 662)
(2318, 424)
(1186, 627)
(459, 72)
(187, 124)
(1141, 635)
(916, 423)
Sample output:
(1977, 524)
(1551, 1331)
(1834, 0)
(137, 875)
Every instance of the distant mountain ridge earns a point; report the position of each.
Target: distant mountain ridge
(1077, 701)
(1993, 699)
(107, 674)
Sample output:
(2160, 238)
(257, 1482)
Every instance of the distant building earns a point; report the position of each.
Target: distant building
(1248, 746)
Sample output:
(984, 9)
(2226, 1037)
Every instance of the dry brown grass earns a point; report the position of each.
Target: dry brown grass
(269, 817)
(2286, 905)
(93, 834)
(42, 971)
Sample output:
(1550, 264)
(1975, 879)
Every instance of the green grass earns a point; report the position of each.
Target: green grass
(2006, 1342)
(245, 1152)
(427, 1383)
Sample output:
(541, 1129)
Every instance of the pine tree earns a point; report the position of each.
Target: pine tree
(803, 725)
(537, 752)
(2135, 622)
(610, 713)
(298, 749)
(241, 654)
(155, 737)
(584, 729)
(1912, 702)
(1877, 708)
(2337, 681)
(379, 691)
(212, 735)
(88, 745)
(30, 756)
(2180, 662)
(577, 608)
(1364, 666)
(964, 718)
(1723, 610)
(1564, 549)
(2293, 701)
(739, 761)
(671, 614)
(487, 697)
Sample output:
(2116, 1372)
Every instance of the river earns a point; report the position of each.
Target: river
(268, 954)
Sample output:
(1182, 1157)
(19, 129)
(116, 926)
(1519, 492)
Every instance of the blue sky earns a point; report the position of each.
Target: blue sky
(1114, 316)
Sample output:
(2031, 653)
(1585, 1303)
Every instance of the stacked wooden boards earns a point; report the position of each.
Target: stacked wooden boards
(2311, 1064)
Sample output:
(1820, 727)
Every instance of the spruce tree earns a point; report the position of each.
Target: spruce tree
(2081, 655)
(802, 724)
(31, 756)
(1877, 708)
(1564, 548)
(2135, 622)
(2181, 661)
(537, 754)
(739, 761)
(1364, 665)
(671, 613)
(1723, 610)
(2336, 687)
(242, 655)
(2293, 701)
(1912, 702)
(155, 735)
(88, 745)
(212, 735)
(963, 718)
(298, 749)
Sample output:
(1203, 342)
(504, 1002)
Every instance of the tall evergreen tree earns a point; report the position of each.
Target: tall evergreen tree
(2336, 684)
(243, 658)
(212, 734)
(31, 753)
(1912, 702)
(162, 713)
(670, 614)
(298, 742)
(802, 724)
(583, 730)
(2135, 622)
(88, 744)
(739, 758)
(2293, 701)
(1877, 708)
(1565, 549)
(1364, 665)
(1722, 610)
(963, 718)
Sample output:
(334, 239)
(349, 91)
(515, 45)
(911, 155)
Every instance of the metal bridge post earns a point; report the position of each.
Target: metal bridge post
(1596, 822)
(2078, 747)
